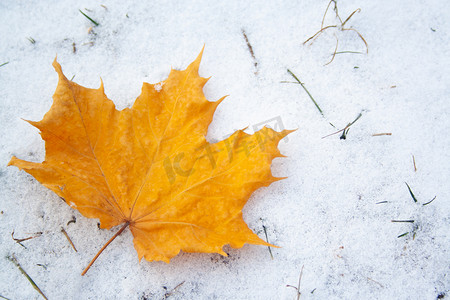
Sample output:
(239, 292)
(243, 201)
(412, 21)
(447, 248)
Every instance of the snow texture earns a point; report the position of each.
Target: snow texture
(332, 216)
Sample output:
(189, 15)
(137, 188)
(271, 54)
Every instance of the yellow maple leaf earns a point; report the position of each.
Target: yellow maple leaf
(150, 167)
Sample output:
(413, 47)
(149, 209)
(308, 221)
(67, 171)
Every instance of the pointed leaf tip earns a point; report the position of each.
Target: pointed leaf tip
(56, 65)
(102, 87)
(196, 63)
(220, 100)
(58, 69)
(11, 162)
(33, 123)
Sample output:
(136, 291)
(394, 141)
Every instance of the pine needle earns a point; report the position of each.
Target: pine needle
(414, 163)
(411, 193)
(429, 201)
(89, 18)
(267, 240)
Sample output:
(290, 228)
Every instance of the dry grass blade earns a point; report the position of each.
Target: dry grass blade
(267, 240)
(351, 15)
(318, 33)
(13, 259)
(360, 35)
(334, 52)
(340, 26)
(349, 52)
(326, 10)
(345, 128)
(303, 86)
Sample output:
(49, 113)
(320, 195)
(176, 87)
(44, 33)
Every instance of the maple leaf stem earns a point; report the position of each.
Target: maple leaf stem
(104, 246)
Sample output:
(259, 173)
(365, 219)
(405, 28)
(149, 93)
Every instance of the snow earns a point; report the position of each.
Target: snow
(325, 216)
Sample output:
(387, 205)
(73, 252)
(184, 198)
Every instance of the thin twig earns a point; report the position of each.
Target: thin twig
(19, 241)
(250, 49)
(303, 86)
(380, 134)
(299, 282)
(414, 163)
(168, 294)
(68, 238)
(13, 259)
(375, 282)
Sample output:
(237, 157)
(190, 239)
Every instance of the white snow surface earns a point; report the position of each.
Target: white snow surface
(326, 216)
